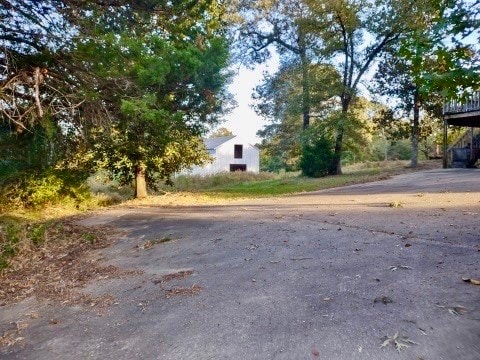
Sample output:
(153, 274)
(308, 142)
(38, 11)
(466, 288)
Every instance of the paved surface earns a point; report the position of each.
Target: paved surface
(324, 275)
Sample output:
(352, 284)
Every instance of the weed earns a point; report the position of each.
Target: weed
(37, 233)
(9, 239)
(90, 238)
(395, 204)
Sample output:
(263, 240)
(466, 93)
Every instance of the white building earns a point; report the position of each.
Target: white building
(229, 153)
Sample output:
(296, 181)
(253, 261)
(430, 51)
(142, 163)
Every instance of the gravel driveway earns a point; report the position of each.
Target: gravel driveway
(330, 275)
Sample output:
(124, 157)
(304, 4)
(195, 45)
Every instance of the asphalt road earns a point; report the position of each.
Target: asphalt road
(324, 275)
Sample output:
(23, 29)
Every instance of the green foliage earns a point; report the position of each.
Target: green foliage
(439, 49)
(175, 92)
(400, 150)
(271, 162)
(127, 86)
(9, 239)
(317, 154)
(221, 132)
(244, 184)
(38, 189)
(15, 233)
(280, 100)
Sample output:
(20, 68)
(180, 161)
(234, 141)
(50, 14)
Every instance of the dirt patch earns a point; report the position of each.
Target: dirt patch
(149, 244)
(175, 276)
(13, 336)
(194, 290)
(60, 267)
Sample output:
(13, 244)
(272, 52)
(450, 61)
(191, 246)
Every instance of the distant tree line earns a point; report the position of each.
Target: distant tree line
(414, 54)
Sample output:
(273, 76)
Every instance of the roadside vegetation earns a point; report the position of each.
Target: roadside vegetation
(102, 103)
(30, 228)
(245, 185)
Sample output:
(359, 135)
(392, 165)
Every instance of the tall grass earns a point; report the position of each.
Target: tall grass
(244, 184)
(197, 182)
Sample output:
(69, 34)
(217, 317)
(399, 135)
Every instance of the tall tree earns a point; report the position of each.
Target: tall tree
(432, 60)
(354, 33)
(283, 26)
(395, 79)
(279, 99)
(174, 89)
(141, 78)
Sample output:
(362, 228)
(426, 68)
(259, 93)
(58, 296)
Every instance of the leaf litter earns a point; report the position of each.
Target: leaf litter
(398, 341)
(13, 336)
(149, 244)
(57, 269)
(193, 290)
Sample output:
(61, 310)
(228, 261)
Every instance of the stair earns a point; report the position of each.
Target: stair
(465, 152)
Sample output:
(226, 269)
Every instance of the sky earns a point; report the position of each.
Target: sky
(243, 121)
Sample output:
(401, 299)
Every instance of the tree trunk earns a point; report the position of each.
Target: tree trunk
(415, 129)
(337, 159)
(305, 83)
(140, 183)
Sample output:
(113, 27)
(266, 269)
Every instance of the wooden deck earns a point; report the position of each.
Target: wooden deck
(463, 113)
(465, 151)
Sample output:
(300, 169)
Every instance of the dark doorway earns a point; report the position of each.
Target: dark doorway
(238, 167)
(238, 152)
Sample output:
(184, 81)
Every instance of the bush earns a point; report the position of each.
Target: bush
(38, 189)
(317, 156)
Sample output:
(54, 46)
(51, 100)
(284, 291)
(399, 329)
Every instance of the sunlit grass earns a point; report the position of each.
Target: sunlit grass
(246, 185)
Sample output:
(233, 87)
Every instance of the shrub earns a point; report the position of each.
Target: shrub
(317, 156)
(38, 189)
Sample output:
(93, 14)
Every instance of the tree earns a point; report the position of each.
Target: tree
(282, 25)
(442, 33)
(107, 77)
(356, 33)
(423, 68)
(280, 101)
(395, 78)
(175, 78)
(221, 132)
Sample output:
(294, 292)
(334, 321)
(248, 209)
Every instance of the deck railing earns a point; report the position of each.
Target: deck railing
(465, 149)
(462, 106)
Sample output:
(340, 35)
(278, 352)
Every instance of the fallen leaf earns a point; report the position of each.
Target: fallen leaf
(458, 310)
(383, 299)
(400, 342)
(402, 267)
(471, 280)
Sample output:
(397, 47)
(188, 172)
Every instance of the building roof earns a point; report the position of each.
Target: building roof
(213, 143)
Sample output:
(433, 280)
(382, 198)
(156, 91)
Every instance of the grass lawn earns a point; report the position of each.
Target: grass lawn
(240, 185)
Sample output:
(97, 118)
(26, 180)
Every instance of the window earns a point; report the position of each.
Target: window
(238, 167)
(238, 152)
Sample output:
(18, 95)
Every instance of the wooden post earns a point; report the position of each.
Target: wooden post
(471, 143)
(445, 155)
